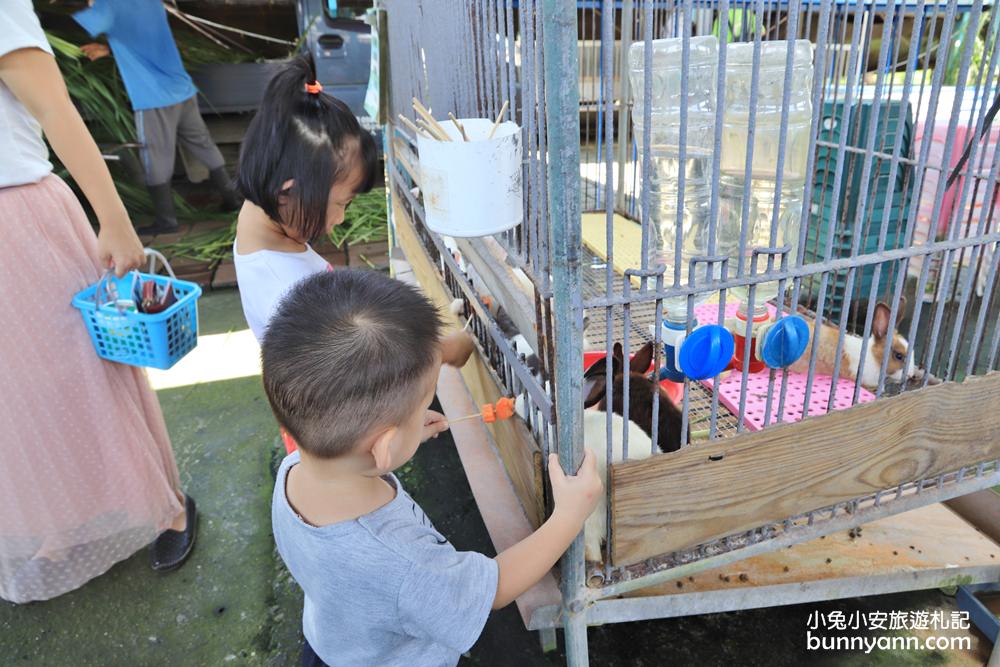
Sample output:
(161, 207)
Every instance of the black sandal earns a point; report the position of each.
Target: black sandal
(172, 547)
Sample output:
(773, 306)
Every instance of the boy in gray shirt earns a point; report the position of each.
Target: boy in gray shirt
(350, 364)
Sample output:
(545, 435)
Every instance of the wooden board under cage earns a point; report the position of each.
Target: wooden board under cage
(517, 448)
(927, 537)
(708, 491)
(626, 235)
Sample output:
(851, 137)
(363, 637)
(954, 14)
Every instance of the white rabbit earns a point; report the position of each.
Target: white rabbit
(595, 438)
(595, 431)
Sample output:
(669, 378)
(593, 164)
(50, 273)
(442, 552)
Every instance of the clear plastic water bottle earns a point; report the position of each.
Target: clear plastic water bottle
(664, 145)
(767, 134)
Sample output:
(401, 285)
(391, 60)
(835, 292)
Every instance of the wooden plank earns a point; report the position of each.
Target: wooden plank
(405, 156)
(981, 509)
(518, 450)
(682, 499)
(627, 236)
(502, 511)
(500, 508)
(929, 538)
(489, 260)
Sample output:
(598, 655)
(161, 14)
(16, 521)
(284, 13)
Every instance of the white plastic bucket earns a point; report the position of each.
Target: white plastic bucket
(472, 188)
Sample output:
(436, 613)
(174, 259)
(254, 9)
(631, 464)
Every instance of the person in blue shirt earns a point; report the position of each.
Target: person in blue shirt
(163, 97)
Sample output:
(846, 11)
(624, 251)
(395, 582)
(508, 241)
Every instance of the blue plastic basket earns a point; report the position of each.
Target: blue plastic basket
(139, 339)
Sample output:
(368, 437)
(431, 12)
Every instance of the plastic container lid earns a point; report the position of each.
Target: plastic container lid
(785, 341)
(706, 352)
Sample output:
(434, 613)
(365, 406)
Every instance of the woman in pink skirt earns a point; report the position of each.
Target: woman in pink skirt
(87, 476)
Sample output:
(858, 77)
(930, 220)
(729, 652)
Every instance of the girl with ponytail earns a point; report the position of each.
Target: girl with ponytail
(303, 159)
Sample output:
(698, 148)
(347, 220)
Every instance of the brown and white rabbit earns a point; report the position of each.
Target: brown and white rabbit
(639, 426)
(641, 393)
(595, 437)
(883, 335)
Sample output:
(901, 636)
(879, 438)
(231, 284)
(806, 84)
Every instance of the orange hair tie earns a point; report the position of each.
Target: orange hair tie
(314, 88)
(290, 444)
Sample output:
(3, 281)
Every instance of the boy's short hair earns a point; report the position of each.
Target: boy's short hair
(346, 352)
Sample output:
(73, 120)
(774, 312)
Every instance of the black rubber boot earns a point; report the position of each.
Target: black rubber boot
(165, 221)
(220, 180)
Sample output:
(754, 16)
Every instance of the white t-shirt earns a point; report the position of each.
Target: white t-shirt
(264, 277)
(25, 157)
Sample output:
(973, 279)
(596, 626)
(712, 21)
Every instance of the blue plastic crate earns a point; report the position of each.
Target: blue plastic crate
(139, 339)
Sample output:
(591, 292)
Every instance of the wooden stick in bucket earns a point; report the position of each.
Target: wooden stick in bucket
(503, 110)
(431, 130)
(461, 130)
(410, 124)
(429, 119)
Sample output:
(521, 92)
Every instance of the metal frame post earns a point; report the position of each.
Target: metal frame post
(562, 116)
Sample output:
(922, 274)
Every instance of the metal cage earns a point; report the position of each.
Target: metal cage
(895, 202)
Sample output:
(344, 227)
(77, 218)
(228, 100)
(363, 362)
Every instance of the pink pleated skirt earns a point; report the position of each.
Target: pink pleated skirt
(87, 475)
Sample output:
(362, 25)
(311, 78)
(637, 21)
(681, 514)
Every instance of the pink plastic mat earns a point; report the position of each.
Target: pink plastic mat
(756, 396)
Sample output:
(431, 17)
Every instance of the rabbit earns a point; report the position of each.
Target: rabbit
(595, 438)
(520, 344)
(850, 358)
(641, 390)
(640, 444)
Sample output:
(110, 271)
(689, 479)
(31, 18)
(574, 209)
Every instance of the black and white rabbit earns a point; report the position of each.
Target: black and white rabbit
(639, 427)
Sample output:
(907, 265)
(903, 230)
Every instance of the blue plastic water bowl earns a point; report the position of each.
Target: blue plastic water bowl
(785, 341)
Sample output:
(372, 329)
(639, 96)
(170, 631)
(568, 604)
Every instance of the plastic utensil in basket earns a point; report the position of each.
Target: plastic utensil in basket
(124, 335)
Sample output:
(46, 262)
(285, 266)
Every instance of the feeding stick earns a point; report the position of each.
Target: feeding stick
(462, 419)
(428, 118)
(413, 126)
(503, 409)
(503, 109)
(461, 130)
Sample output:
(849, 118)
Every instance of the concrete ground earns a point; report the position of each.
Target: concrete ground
(234, 604)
